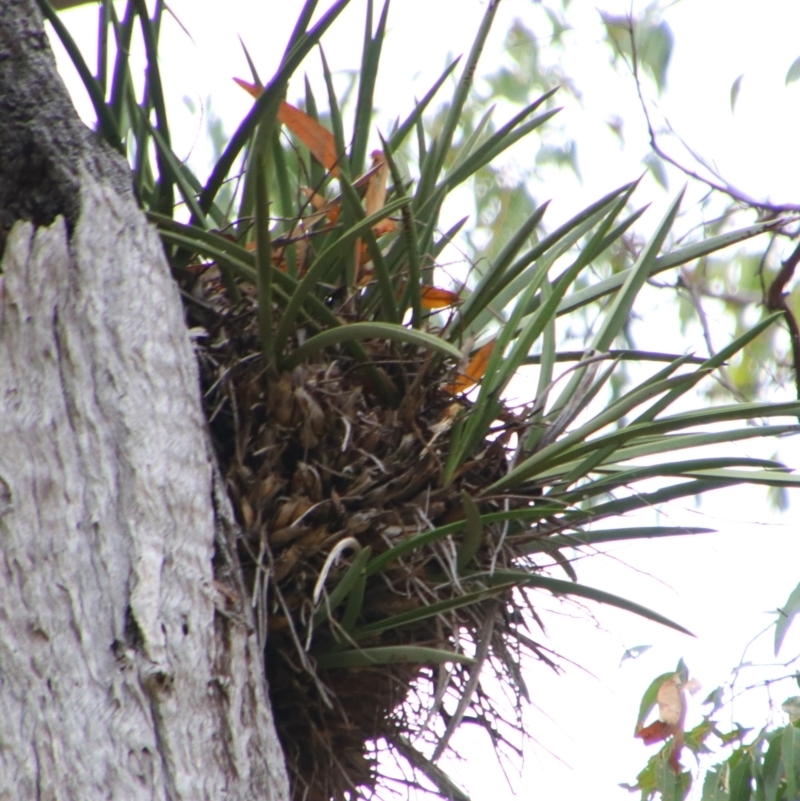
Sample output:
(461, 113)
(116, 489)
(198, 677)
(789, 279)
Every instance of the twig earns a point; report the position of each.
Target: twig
(484, 640)
(697, 302)
(776, 301)
(444, 784)
(768, 210)
(776, 297)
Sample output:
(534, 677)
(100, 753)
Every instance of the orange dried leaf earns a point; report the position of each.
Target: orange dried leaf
(365, 267)
(434, 298)
(251, 88)
(385, 226)
(374, 200)
(474, 371)
(318, 139)
(375, 195)
(364, 179)
(278, 254)
(323, 207)
(655, 733)
(671, 700)
(315, 199)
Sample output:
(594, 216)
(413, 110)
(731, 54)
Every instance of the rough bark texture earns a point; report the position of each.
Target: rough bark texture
(44, 144)
(128, 664)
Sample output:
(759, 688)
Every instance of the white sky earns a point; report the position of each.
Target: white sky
(721, 586)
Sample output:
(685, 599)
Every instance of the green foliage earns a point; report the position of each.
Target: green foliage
(647, 37)
(585, 454)
(583, 465)
(648, 701)
(786, 615)
(764, 768)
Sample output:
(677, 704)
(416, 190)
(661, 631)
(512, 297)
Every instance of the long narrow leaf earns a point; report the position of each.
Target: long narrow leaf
(616, 476)
(498, 143)
(425, 538)
(299, 30)
(267, 104)
(617, 316)
(712, 363)
(567, 471)
(473, 533)
(155, 92)
(495, 281)
(121, 78)
(361, 331)
(370, 60)
(390, 655)
(435, 160)
(656, 428)
(545, 457)
(411, 248)
(264, 264)
(671, 443)
(399, 135)
(103, 24)
(172, 167)
(641, 500)
(343, 588)
(323, 263)
(108, 125)
(560, 587)
(431, 610)
(666, 262)
(357, 212)
(445, 786)
(583, 539)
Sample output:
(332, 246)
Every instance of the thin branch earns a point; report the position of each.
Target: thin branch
(775, 295)
(776, 301)
(766, 209)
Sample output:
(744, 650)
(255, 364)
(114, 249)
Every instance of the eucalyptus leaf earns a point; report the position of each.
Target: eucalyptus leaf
(786, 615)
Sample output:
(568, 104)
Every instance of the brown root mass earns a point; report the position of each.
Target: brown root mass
(312, 459)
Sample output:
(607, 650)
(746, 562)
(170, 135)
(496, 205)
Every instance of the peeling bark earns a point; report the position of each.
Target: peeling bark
(129, 666)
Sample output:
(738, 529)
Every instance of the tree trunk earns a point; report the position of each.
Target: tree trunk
(129, 666)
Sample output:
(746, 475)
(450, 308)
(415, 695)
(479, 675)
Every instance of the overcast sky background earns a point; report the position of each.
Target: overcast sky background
(724, 587)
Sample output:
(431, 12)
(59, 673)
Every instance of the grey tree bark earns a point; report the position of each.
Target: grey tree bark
(129, 667)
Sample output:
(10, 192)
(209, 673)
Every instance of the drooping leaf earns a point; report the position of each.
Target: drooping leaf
(362, 331)
(390, 655)
(344, 587)
(561, 587)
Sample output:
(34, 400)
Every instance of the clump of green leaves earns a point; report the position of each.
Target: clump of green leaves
(764, 767)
